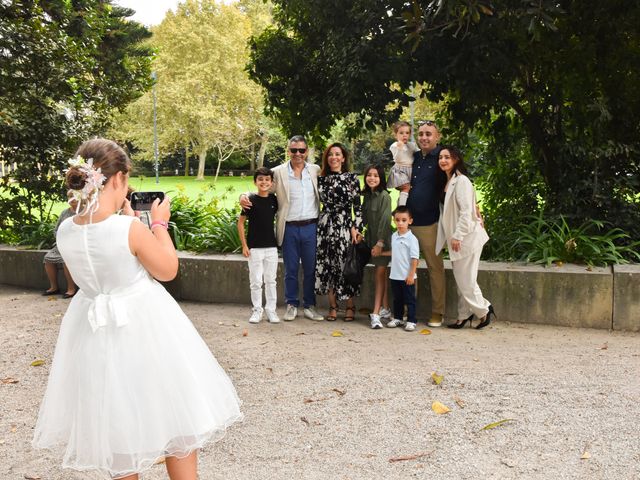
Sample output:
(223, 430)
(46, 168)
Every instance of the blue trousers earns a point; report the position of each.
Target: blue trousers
(299, 245)
(404, 294)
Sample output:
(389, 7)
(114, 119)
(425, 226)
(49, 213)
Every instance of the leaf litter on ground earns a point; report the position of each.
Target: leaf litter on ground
(493, 425)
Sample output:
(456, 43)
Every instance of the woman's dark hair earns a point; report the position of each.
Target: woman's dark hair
(325, 156)
(383, 179)
(456, 155)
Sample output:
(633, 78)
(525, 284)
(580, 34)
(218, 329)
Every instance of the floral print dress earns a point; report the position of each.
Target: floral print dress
(341, 210)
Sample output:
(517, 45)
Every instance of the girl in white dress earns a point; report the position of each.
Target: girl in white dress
(131, 380)
(402, 150)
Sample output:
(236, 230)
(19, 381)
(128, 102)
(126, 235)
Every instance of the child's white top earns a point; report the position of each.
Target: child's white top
(404, 248)
(403, 153)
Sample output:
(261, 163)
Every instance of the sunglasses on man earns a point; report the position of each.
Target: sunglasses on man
(428, 123)
(297, 150)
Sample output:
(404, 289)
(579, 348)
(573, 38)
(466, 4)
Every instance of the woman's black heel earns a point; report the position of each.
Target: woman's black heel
(461, 324)
(487, 318)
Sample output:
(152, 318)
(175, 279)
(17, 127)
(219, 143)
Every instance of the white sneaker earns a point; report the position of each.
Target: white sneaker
(396, 322)
(436, 320)
(256, 316)
(385, 313)
(375, 321)
(272, 316)
(291, 313)
(311, 314)
(409, 327)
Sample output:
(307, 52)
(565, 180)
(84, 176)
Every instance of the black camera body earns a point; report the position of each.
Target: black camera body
(143, 200)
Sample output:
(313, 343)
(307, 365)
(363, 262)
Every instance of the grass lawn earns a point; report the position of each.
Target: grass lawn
(226, 189)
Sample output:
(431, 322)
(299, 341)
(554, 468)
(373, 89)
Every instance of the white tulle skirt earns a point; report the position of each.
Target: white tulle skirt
(125, 393)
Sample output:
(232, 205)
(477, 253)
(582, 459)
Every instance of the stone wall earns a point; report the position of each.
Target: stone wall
(570, 295)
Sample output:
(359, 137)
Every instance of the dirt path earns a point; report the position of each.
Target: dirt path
(324, 407)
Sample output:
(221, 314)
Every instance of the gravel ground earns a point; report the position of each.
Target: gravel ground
(325, 407)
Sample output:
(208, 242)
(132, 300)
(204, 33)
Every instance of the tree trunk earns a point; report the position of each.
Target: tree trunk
(202, 157)
(252, 163)
(264, 141)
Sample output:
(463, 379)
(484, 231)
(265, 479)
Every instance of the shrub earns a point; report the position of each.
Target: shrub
(548, 240)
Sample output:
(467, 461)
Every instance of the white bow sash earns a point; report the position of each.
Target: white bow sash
(111, 308)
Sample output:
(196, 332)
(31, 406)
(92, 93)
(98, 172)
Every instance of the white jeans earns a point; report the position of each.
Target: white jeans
(263, 264)
(470, 299)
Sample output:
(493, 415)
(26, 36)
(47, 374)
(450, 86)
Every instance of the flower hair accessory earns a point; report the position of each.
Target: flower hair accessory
(87, 196)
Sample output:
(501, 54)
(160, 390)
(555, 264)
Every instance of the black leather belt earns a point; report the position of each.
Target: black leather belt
(303, 223)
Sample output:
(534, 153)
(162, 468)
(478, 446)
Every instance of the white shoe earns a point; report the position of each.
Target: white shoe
(272, 316)
(409, 327)
(385, 313)
(311, 314)
(256, 316)
(291, 313)
(375, 321)
(436, 320)
(396, 322)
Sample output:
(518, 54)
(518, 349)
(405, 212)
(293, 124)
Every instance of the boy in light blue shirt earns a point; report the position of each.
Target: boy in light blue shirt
(405, 252)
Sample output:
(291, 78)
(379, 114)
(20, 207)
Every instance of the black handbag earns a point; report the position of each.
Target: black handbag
(357, 257)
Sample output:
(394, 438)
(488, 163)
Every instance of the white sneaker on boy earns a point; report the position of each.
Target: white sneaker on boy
(256, 316)
(375, 321)
(291, 313)
(385, 313)
(272, 316)
(396, 322)
(410, 327)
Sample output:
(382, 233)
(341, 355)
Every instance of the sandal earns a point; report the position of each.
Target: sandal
(350, 314)
(333, 313)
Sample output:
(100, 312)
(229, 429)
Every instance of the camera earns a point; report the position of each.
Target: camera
(143, 200)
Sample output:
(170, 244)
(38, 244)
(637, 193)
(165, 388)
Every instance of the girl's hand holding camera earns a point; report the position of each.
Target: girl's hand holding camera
(161, 211)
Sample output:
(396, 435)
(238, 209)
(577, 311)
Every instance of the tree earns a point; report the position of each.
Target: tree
(63, 67)
(545, 88)
(205, 100)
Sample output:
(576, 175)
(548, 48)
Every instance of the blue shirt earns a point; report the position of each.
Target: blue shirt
(404, 248)
(303, 204)
(427, 184)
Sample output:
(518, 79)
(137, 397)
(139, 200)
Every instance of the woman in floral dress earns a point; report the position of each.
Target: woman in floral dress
(338, 226)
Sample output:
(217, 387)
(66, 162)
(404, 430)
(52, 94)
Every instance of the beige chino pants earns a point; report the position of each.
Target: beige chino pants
(427, 239)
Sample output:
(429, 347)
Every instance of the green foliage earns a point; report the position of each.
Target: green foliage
(64, 66)
(199, 225)
(548, 240)
(38, 235)
(544, 94)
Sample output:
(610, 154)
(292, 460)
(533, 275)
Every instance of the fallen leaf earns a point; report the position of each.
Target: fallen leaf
(37, 363)
(270, 369)
(304, 419)
(339, 392)
(440, 408)
(409, 457)
(52, 299)
(313, 400)
(497, 424)
(9, 380)
(585, 456)
(14, 429)
(459, 401)
(245, 333)
(437, 379)
(425, 331)
(301, 333)
(32, 477)
(604, 346)
(337, 333)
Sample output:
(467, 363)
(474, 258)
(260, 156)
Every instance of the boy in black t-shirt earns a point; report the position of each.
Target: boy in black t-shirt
(260, 246)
